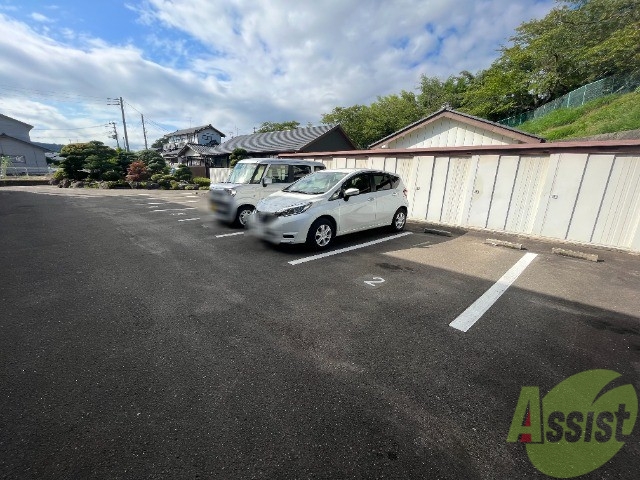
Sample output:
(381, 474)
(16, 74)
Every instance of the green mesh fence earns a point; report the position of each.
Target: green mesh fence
(580, 96)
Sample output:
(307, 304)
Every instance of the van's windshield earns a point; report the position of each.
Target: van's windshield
(242, 173)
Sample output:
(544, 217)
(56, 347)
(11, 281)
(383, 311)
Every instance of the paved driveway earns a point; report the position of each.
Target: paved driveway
(141, 339)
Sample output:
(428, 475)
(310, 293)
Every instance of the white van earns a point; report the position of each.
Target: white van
(251, 180)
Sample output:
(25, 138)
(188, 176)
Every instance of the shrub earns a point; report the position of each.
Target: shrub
(183, 173)
(202, 181)
(156, 176)
(175, 185)
(118, 184)
(59, 174)
(111, 176)
(164, 183)
(137, 172)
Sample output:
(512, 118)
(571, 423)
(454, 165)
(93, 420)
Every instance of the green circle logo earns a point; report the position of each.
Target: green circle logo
(579, 425)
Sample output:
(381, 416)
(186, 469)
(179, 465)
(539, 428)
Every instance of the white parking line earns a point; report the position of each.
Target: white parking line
(478, 308)
(347, 249)
(171, 209)
(189, 219)
(156, 203)
(230, 234)
(191, 201)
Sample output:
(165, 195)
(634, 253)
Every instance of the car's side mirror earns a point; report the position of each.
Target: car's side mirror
(266, 181)
(350, 192)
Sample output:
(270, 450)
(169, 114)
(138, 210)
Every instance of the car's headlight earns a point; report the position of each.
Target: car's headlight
(294, 210)
(231, 191)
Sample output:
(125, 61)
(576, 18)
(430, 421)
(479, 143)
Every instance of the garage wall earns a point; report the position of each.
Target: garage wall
(447, 132)
(580, 197)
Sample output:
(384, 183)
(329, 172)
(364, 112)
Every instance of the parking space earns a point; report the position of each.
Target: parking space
(546, 274)
(420, 343)
(411, 251)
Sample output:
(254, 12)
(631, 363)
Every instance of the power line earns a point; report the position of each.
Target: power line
(68, 129)
(147, 120)
(49, 93)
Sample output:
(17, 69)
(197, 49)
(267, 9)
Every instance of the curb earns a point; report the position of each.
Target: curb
(502, 243)
(592, 257)
(22, 183)
(435, 231)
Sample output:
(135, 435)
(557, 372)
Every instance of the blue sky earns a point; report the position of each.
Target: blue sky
(234, 63)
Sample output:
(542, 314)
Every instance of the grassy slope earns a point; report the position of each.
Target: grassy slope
(614, 113)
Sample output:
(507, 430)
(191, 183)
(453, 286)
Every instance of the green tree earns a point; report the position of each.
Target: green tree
(237, 155)
(435, 93)
(351, 119)
(122, 161)
(91, 156)
(277, 126)
(159, 143)
(367, 124)
(153, 160)
(578, 42)
(183, 173)
(501, 90)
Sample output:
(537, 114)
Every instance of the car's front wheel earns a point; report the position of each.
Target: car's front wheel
(399, 220)
(320, 234)
(243, 215)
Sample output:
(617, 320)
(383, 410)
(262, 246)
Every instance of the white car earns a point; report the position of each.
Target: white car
(325, 204)
(251, 180)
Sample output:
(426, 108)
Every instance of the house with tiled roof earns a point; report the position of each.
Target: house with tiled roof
(323, 138)
(451, 128)
(203, 135)
(19, 153)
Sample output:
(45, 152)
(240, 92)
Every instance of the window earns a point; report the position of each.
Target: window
(382, 182)
(257, 176)
(278, 173)
(360, 181)
(300, 171)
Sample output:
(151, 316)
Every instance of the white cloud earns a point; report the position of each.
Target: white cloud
(38, 17)
(259, 60)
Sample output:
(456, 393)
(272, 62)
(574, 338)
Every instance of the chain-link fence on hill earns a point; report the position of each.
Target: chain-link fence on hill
(580, 96)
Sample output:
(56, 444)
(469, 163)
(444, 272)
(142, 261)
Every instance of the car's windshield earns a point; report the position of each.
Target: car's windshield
(316, 183)
(242, 173)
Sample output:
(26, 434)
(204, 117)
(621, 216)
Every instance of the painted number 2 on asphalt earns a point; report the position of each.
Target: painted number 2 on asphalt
(374, 282)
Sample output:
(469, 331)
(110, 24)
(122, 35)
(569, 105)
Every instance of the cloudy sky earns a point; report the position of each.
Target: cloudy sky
(234, 63)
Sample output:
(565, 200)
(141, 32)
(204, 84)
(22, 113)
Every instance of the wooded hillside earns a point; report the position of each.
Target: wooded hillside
(578, 42)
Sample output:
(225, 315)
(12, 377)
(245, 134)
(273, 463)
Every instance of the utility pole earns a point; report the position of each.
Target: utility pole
(118, 101)
(144, 132)
(115, 134)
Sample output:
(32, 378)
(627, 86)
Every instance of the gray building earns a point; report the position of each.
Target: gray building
(15, 145)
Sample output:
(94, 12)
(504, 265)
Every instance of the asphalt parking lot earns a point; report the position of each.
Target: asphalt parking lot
(141, 339)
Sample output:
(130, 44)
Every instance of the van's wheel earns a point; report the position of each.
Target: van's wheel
(320, 234)
(399, 220)
(243, 215)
